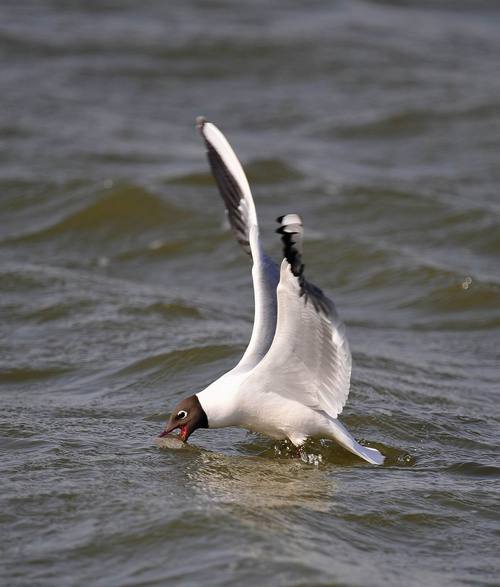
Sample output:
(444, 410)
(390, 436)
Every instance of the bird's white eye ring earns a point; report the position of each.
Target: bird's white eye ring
(182, 414)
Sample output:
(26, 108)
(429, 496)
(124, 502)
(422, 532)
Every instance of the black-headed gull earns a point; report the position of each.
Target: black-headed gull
(293, 379)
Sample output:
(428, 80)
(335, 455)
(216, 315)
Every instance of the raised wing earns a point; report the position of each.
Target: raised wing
(309, 359)
(240, 208)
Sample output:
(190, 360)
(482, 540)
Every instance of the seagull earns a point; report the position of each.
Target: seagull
(293, 379)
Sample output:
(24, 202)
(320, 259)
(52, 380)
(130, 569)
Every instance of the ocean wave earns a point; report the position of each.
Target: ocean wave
(22, 375)
(124, 209)
(179, 360)
(473, 469)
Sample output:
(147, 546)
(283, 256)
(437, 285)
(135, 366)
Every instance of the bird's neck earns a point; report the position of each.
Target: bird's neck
(220, 403)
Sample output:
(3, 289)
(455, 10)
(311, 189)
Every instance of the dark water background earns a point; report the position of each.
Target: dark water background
(121, 291)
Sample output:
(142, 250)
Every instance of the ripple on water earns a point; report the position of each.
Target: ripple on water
(124, 209)
(473, 469)
(180, 359)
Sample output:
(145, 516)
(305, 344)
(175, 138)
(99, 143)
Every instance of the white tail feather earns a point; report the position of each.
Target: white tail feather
(341, 435)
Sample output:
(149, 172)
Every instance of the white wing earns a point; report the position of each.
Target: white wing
(235, 191)
(309, 359)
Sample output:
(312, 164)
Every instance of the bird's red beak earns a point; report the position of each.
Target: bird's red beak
(183, 431)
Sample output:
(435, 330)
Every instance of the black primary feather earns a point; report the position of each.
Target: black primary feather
(229, 190)
(291, 231)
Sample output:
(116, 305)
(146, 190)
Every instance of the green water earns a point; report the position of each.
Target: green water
(121, 290)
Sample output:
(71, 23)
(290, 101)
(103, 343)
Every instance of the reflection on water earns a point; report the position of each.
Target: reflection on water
(255, 484)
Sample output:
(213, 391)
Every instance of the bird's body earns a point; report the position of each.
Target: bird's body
(258, 400)
(232, 401)
(293, 379)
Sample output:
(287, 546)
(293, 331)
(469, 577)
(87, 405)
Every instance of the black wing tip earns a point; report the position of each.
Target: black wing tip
(292, 222)
(291, 236)
(291, 231)
(200, 122)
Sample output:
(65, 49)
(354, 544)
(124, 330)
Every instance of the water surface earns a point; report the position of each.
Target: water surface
(121, 289)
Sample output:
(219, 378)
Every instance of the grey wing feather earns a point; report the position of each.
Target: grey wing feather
(235, 191)
(231, 195)
(309, 359)
(230, 188)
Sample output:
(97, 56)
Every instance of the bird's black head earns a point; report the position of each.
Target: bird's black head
(188, 415)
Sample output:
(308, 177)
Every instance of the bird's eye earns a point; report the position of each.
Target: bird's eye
(182, 414)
